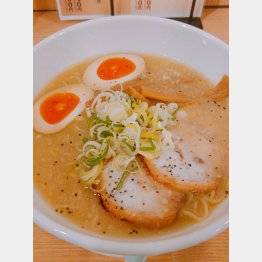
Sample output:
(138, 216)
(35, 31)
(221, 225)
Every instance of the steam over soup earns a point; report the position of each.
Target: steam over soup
(132, 145)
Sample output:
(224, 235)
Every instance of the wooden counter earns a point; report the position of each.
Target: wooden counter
(48, 248)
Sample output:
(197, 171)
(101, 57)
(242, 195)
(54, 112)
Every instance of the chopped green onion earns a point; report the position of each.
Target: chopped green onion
(148, 148)
(84, 139)
(128, 145)
(137, 134)
(108, 121)
(90, 122)
(90, 177)
(122, 180)
(125, 174)
(98, 120)
(97, 160)
(118, 125)
(105, 134)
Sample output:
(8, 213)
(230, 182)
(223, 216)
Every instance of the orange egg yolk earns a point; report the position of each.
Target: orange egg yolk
(56, 107)
(115, 68)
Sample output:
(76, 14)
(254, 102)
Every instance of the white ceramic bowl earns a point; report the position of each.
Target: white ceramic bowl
(151, 35)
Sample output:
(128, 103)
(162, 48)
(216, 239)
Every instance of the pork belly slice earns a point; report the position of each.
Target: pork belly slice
(189, 167)
(141, 200)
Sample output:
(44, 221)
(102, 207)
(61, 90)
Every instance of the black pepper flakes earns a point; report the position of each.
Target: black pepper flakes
(134, 231)
(75, 194)
(62, 190)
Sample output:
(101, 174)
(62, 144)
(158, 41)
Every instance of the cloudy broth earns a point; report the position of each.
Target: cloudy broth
(55, 173)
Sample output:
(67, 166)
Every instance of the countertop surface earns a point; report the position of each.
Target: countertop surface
(49, 248)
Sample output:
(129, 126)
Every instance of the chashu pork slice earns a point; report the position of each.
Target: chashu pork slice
(141, 200)
(190, 166)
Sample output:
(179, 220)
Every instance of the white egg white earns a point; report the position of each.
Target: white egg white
(84, 93)
(92, 80)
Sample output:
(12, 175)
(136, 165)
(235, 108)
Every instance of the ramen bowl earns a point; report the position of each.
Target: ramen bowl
(139, 34)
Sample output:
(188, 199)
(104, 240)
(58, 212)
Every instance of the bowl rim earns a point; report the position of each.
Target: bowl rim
(137, 246)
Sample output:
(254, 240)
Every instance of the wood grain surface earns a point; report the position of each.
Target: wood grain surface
(216, 2)
(48, 248)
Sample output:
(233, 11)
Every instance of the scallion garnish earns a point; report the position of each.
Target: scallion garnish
(152, 146)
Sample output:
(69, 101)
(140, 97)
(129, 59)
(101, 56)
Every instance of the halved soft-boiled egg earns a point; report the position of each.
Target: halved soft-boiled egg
(55, 110)
(114, 69)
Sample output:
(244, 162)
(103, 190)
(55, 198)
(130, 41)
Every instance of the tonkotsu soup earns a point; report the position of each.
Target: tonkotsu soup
(197, 173)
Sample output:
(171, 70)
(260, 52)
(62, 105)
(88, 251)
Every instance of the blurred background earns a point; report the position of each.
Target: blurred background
(51, 4)
(51, 15)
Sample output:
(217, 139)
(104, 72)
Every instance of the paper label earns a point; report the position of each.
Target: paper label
(88, 9)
